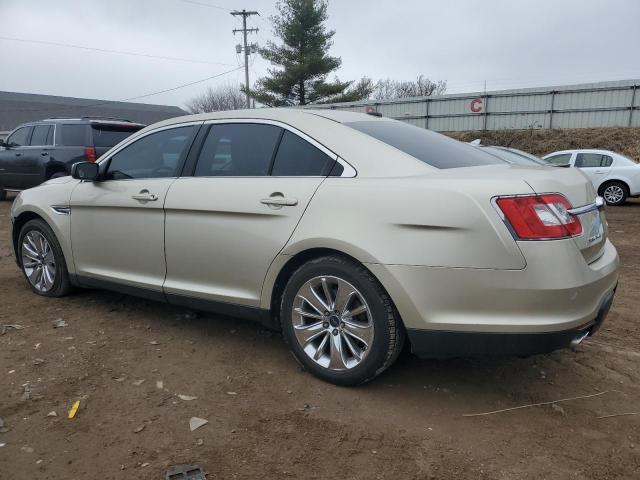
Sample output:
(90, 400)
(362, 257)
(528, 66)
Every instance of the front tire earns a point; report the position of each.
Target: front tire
(42, 260)
(339, 322)
(615, 193)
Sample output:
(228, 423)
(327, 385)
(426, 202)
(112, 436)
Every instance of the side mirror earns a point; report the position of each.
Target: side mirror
(5, 144)
(85, 171)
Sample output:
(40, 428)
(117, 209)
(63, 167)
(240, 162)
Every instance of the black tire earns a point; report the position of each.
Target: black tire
(389, 334)
(618, 195)
(3, 194)
(61, 284)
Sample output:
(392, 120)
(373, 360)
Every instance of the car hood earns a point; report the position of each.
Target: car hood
(59, 181)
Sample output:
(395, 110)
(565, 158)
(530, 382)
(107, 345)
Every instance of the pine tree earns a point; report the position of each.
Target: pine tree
(302, 58)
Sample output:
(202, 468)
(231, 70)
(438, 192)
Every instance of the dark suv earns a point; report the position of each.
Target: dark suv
(37, 151)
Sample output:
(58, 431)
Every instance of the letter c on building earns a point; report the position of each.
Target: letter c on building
(476, 105)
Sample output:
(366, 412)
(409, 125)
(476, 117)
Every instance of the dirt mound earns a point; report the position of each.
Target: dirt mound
(624, 140)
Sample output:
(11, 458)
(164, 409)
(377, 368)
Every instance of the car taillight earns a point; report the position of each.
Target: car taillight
(90, 154)
(540, 217)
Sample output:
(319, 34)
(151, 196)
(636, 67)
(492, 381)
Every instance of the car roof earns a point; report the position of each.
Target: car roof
(582, 150)
(277, 114)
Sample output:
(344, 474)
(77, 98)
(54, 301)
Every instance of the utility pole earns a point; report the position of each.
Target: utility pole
(246, 48)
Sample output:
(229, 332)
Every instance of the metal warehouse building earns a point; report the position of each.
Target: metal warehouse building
(18, 108)
(603, 104)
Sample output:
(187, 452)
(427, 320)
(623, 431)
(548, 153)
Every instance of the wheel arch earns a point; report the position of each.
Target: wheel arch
(19, 222)
(608, 181)
(279, 275)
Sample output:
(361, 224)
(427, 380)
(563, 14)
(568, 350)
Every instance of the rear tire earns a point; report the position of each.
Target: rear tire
(42, 260)
(615, 193)
(349, 332)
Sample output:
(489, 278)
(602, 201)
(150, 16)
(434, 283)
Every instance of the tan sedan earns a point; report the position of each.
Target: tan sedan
(354, 235)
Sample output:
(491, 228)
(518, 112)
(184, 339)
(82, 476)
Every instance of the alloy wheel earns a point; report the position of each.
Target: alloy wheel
(38, 261)
(332, 323)
(613, 194)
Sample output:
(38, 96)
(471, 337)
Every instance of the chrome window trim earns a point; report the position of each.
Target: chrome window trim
(348, 170)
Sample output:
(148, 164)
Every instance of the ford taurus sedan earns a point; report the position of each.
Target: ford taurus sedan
(354, 235)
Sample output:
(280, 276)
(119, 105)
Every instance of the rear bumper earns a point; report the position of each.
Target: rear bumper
(446, 344)
(462, 311)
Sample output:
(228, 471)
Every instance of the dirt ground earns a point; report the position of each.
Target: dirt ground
(269, 419)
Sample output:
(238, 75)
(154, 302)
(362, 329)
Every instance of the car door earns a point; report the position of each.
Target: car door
(117, 223)
(226, 223)
(12, 158)
(596, 166)
(35, 156)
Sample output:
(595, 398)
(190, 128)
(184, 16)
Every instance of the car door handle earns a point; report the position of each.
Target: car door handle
(599, 172)
(280, 201)
(44, 154)
(18, 154)
(145, 196)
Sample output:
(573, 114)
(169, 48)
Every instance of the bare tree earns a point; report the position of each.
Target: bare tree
(222, 97)
(388, 89)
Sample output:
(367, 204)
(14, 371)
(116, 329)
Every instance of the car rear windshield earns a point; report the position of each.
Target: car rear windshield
(429, 147)
(110, 135)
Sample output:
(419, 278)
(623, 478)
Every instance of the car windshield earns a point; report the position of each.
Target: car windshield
(429, 147)
(110, 135)
(515, 156)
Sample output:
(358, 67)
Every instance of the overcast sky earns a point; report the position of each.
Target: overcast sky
(508, 43)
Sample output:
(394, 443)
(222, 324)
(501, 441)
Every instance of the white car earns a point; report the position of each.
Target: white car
(350, 233)
(614, 176)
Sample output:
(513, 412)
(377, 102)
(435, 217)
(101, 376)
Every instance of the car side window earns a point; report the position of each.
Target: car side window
(74, 135)
(561, 159)
(40, 135)
(298, 158)
(237, 150)
(20, 137)
(593, 160)
(157, 155)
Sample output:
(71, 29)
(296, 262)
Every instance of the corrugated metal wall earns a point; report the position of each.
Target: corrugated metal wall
(603, 104)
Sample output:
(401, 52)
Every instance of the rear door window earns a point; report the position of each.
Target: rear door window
(110, 135)
(40, 135)
(429, 147)
(593, 160)
(20, 137)
(74, 135)
(238, 150)
(298, 158)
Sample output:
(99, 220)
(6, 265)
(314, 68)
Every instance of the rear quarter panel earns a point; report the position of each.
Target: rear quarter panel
(427, 220)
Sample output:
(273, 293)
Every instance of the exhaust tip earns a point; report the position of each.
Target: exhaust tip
(578, 340)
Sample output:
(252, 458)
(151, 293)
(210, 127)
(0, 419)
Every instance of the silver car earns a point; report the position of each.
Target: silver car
(354, 235)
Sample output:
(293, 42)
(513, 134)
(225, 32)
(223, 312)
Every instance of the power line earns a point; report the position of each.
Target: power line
(105, 50)
(206, 5)
(106, 102)
(244, 14)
